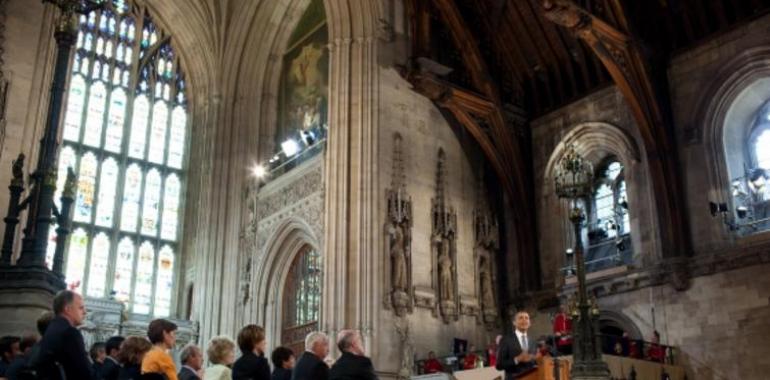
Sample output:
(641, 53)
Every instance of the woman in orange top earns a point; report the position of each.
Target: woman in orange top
(162, 334)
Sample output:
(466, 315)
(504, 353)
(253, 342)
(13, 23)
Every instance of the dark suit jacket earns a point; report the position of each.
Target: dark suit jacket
(281, 374)
(352, 367)
(63, 343)
(508, 350)
(310, 367)
(187, 374)
(130, 372)
(110, 369)
(251, 367)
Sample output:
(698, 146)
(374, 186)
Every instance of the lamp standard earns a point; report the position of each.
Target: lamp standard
(573, 182)
(40, 202)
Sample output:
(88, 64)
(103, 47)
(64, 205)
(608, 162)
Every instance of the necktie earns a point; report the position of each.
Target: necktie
(524, 345)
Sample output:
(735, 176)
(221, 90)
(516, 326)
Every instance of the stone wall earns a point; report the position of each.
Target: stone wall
(599, 124)
(424, 130)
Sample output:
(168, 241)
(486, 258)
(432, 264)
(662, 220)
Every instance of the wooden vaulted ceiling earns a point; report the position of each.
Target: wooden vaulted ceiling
(514, 60)
(540, 65)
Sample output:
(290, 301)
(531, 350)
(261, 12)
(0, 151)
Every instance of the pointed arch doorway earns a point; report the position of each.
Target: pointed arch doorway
(302, 299)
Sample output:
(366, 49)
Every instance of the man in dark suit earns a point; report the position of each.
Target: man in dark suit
(517, 352)
(62, 347)
(192, 362)
(310, 365)
(352, 365)
(111, 367)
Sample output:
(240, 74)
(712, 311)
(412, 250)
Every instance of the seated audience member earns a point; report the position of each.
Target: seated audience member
(471, 359)
(311, 366)
(252, 364)
(97, 354)
(221, 352)
(353, 364)
(283, 362)
(111, 367)
(656, 352)
(432, 365)
(19, 363)
(192, 363)
(62, 349)
(162, 334)
(9, 349)
(131, 354)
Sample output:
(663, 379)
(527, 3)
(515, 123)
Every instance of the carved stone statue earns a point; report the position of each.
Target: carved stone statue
(398, 259)
(407, 355)
(445, 272)
(485, 277)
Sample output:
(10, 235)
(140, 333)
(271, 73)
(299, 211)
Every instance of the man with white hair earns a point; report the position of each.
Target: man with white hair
(353, 364)
(192, 362)
(310, 365)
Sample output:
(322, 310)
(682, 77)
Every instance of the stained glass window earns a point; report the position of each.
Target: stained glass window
(144, 273)
(610, 214)
(97, 268)
(126, 142)
(164, 285)
(76, 258)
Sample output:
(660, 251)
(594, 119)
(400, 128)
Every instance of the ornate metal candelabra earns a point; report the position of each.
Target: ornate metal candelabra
(40, 202)
(573, 181)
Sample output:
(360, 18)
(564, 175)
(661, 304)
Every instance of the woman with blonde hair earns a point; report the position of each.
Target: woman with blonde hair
(131, 354)
(221, 352)
(252, 365)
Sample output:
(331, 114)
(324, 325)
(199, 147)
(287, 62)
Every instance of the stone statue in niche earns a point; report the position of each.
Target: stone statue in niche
(443, 240)
(445, 273)
(398, 229)
(398, 259)
(487, 237)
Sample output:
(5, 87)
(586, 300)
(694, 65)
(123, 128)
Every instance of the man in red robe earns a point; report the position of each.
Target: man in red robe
(562, 329)
(656, 352)
(469, 362)
(432, 365)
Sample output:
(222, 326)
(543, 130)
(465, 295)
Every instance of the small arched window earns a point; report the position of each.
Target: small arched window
(759, 142)
(608, 226)
(751, 191)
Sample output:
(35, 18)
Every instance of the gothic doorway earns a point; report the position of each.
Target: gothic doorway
(302, 299)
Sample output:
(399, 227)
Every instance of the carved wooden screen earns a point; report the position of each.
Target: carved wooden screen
(301, 300)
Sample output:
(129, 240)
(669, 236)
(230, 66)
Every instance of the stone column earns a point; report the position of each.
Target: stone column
(351, 241)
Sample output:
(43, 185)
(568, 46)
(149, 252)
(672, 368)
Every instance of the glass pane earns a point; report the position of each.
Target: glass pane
(84, 202)
(605, 214)
(95, 119)
(97, 268)
(131, 195)
(124, 267)
(613, 169)
(84, 66)
(165, 282)
(144, 272)
(75, 102)
(762, 149)
(108, 49)
(76, 258)
(51, 248)
(151, 204)
(623, 197)
(100, 44)
(97, 70)
(176, 140)
(107, 192)
(139, 127)
(67, 159)
(89, 44)
(120, 53)
(114, 137)
(170, 208)
(158, 133)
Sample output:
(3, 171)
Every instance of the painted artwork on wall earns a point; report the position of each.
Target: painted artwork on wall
(304, 78)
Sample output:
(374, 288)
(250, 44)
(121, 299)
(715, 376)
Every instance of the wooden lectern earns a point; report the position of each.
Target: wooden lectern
(545, 370)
